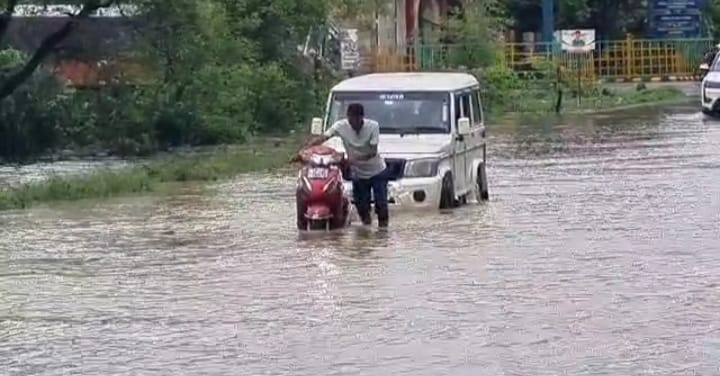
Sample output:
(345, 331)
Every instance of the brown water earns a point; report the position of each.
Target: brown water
(598, 254)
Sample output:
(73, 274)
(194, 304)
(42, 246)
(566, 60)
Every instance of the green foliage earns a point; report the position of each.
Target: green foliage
(223, 72)
(361, 12)
(507, 91)
(266, 154)
(31, 119)
(712, 13)
(610, 18)
(276, 27)
(539, 88)
(100, 185)
(606, 99)
(469, 36)
(11, 58)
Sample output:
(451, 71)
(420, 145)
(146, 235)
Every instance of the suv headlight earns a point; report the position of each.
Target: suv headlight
(712, 85)
(421, 168)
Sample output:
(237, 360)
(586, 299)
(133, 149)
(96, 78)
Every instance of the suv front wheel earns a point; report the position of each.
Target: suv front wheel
(447, 193)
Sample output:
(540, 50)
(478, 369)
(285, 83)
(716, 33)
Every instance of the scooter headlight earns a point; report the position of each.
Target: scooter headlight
(421, 168)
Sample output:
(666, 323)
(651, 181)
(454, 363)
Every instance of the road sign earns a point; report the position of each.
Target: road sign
(349, 49)
(675, 18)
(576, 40)
(677, 4)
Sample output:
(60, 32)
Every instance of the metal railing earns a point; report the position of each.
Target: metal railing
(394, 61)
(628, 59)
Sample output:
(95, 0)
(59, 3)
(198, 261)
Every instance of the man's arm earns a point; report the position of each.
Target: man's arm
(317, 140)
(310, 142)
(372, 144)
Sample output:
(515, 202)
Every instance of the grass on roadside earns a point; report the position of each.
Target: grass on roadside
(608, 99)
(539, 97)
(269, 154)
(147, 177)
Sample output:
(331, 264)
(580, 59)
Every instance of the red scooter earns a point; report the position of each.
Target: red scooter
(320, 194)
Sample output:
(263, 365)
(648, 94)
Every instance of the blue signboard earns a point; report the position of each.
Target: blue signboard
(676, 18)
(677, 4)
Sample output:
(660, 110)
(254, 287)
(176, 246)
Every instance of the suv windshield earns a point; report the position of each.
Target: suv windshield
(398, 112)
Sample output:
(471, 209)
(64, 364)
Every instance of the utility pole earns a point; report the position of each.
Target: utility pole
(548, 22)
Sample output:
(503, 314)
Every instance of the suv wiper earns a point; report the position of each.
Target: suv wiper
(391, 130)
(412, 130)
(424, 129)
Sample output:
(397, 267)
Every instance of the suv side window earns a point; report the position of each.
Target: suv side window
(458, 107)
(462, 105)
(465, 100)
(477, 117)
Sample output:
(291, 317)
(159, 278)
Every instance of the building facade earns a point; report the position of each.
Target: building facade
(405, 22)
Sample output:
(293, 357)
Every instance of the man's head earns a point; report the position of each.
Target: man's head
(355, 115)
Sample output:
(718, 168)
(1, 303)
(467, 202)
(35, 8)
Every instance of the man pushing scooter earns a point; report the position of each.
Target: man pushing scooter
(360, 138)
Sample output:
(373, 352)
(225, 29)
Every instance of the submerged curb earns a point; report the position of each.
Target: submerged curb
(651, 79)
(681, 100)
(667, 102)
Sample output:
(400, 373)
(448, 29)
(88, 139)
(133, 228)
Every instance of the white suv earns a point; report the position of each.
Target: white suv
(432, 134)
(710, 90)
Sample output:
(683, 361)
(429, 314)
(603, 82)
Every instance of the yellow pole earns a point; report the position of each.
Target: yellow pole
(629, 58)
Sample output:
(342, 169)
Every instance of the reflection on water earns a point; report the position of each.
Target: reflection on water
(597, 255)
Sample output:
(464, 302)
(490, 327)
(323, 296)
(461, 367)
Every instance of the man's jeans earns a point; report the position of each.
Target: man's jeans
(361, 193)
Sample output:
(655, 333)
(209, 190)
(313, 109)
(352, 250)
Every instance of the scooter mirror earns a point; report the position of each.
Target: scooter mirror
(316, 126)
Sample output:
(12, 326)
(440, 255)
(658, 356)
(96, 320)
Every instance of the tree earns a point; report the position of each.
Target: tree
(217, 71)
(15, 79)
(712, 12)
(610, 18)
(363, 12)
(474, 29)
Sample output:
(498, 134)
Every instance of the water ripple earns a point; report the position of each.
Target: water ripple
(598, 255)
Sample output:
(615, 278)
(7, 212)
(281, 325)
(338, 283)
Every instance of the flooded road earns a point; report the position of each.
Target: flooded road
(598, 254)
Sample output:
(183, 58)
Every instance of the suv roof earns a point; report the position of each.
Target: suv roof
(430, 81)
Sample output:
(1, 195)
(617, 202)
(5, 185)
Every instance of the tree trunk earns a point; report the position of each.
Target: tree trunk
(47, 46)
(6, 17)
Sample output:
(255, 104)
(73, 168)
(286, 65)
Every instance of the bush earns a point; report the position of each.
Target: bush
(30, 119)
(506, 90)
(242, 100)
(222, 72)
(10, 58)
(218, 105)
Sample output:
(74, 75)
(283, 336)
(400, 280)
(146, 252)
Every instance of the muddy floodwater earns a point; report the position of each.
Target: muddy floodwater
(13, 176)
(598, 254)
